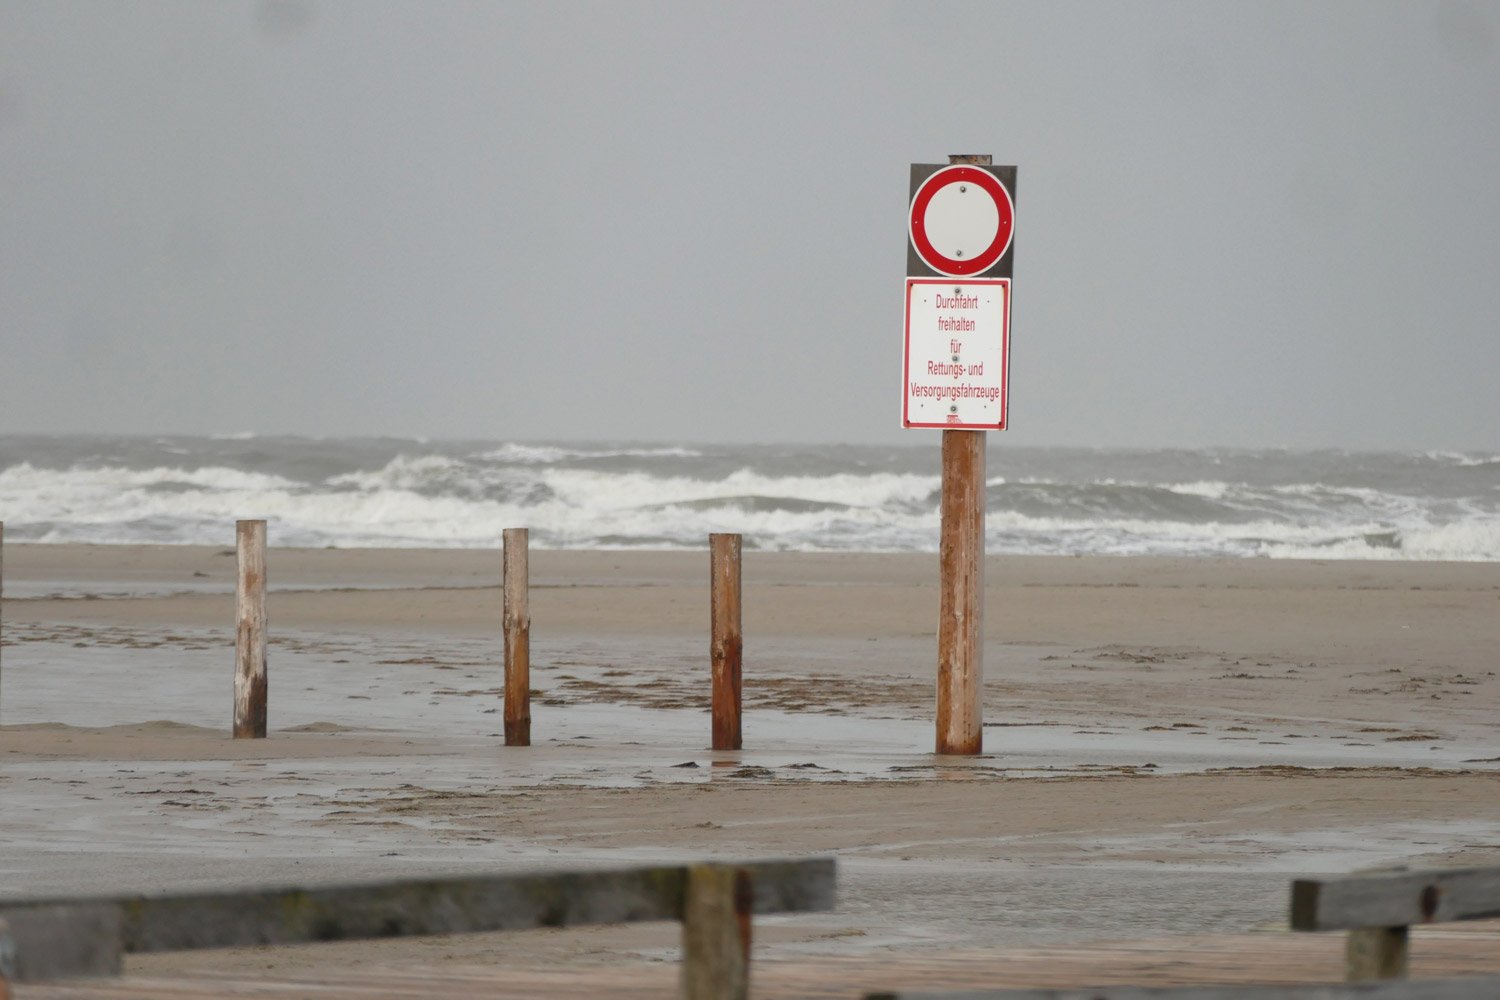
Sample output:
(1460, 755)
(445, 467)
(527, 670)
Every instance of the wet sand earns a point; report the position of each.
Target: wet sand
(1167, 741)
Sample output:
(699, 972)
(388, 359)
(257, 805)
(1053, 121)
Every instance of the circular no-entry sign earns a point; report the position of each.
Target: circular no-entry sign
(961, 220)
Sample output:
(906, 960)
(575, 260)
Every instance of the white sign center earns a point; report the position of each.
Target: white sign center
(961, 220)
(957, 353)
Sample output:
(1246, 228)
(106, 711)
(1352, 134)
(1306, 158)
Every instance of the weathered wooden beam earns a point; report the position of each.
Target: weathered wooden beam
(53, 941)
(516, 620)
(1395, 899)
(433, 906)
(726, 640)
(1485, 988)
(250, 683)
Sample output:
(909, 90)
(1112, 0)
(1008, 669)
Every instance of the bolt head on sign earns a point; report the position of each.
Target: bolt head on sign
(959, 259)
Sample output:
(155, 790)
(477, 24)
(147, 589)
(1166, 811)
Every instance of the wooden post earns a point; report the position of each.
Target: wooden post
(1372, 953)
(726, 644)
(2, 611)
(960, 672)
(7, 954)
(516, 619)
(716, 932)
(250, 631)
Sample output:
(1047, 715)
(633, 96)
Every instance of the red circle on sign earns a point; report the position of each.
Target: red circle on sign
(935, 258)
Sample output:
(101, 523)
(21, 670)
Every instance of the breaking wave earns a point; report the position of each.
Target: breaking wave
(363, 493)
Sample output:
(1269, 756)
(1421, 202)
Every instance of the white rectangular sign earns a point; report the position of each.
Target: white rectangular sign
(957, 366)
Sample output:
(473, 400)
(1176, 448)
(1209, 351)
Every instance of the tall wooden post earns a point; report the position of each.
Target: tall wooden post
(960, 680)
(2, 607)
(516, 620)
(250, 631)
(716, 933)
(726, 644)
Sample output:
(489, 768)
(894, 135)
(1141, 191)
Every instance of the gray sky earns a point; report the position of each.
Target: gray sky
(1270, 223)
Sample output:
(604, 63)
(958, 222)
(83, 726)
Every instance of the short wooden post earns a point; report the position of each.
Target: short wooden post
(516, 620)
(726, 644)
(1376, 953)
(716, 933)
(8, 960)
(250, 631)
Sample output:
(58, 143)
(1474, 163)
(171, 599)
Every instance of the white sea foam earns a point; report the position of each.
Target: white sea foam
(26, 477)
(1462, 459)
(584, 487)
(404, 473)
(529, 454)
(401, 494)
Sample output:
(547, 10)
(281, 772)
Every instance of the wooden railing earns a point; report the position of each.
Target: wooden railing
(1377, 908)
(53, 938)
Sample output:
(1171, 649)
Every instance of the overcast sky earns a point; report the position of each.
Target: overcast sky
(1262, 224)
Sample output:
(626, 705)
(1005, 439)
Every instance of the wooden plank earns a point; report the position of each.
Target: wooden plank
(960, 672)
(516, 619)
(469, 969)
(716, 934)
(437, 906)
(726, 641)
(1487, 988)
(1395, 899)
(250, 685)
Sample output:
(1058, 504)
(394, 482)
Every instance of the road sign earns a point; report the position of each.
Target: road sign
(959, 257)
(961, 221)
(957, 367)
(960, 230)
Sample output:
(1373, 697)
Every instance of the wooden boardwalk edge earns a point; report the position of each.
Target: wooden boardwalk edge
(55, 937)
(1269, 958)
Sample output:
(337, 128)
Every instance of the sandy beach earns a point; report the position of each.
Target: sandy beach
(1167, 741)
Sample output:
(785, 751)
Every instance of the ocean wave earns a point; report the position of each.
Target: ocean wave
(531, 454)
(25, 478)
(383, 492)
(1464, 460)
(645, 490)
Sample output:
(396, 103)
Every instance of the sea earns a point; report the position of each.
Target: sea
(388, 492)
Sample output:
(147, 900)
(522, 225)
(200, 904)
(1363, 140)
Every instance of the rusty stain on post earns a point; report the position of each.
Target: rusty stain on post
(250, 684)
(726, 644)
(516, 616)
